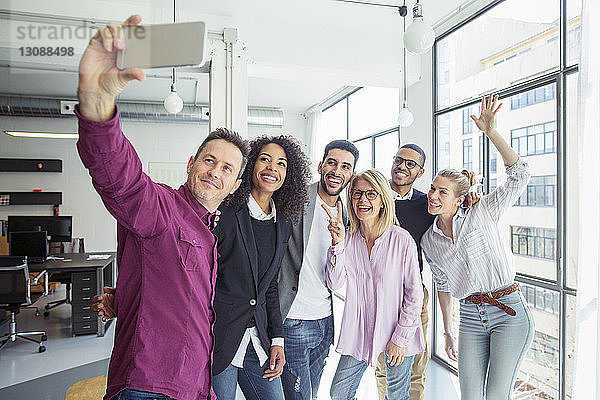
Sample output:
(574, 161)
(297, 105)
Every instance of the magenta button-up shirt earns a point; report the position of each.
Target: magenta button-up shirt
(384, 294)
(167, 269)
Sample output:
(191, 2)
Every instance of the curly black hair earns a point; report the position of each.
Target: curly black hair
(291, 198)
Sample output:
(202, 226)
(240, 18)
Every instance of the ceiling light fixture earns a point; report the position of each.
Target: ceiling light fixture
(173, 103)
(405, 116)
(419, 36)
(46, 135)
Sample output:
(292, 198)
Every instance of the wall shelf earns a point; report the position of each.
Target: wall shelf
(30, 198)
(30, 165)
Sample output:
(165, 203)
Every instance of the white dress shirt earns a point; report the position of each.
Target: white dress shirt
(479, 259)
(251, 334)
(407, 196)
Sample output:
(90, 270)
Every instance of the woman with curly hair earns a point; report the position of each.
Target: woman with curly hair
(253, 231)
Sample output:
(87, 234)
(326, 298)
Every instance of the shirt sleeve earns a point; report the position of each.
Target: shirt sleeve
(116, 170)
(336, 268)
(439, 276)
(409, 319)
(277, 341)
(505, 195)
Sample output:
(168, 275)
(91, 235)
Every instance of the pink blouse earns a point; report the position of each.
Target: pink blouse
(384, 294)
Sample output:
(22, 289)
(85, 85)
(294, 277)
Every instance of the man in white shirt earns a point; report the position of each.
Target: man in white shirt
(306, 303)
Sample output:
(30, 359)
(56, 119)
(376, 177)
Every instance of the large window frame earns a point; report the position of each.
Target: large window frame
(556, 77)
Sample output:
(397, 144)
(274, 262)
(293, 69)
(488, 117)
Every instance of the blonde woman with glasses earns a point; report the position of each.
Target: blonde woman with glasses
(377, 261)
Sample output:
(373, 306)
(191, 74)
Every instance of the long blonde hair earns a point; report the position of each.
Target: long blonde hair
(387, 215)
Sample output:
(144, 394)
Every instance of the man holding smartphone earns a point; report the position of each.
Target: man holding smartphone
(166, 251)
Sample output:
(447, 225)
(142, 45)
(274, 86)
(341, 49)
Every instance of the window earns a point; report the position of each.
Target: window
(541, 299)
(468, 154)
(534, 242)
(535, 139)
(467, 127)
(532, 97)
(525, 65)
(369, 118)
(540, 192)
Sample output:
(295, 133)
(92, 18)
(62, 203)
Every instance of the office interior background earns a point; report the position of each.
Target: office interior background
(322, 70)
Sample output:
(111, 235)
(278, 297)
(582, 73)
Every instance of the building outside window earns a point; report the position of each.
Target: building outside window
(540, 192)
(534, 242)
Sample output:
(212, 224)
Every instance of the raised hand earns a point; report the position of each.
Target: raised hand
(485, 122)
(336, 224)
(100, 81)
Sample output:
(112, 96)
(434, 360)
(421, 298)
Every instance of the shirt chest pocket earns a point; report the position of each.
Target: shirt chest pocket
(475, 247)
(192, 251)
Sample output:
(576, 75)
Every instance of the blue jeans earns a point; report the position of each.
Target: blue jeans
(250, 378)
(491, 346)
(307, 345)
(134, 394)
(349, 372)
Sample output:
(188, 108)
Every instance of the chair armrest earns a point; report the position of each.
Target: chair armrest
(36, 281)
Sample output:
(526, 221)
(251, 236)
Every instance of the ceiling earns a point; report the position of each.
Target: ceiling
(298, 52)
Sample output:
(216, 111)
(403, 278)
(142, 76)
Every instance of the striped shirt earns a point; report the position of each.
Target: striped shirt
(479, 259)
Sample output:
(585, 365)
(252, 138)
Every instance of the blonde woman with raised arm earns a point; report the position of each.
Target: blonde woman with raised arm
(471, 261)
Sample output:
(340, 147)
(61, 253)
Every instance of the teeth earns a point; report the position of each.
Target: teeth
(269, 178)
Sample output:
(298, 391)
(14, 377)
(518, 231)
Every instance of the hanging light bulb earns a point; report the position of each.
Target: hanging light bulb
(173, 103)
(405, 117)
(419, 36)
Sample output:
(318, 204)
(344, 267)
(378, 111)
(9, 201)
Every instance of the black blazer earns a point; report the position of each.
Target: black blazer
(238, 294)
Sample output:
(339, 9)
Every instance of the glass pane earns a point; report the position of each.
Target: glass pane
(372, 110)
(573, 31)
(527, 127)
(439, 330)
(386, 147)
(572, 186)
(365, 157)
(538, 376)
(570, 345)
(525, 45)
(458, 148)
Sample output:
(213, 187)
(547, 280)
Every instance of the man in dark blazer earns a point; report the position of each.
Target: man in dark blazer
(306, 303)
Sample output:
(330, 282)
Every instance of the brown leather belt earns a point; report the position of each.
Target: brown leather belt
(490, 298)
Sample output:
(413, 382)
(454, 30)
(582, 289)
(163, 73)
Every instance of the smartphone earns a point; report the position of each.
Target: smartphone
(165, 45)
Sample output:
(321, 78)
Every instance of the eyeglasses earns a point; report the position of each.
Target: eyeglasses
(410, 164)
(371, 194)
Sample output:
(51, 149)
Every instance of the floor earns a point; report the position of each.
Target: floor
(29, 375)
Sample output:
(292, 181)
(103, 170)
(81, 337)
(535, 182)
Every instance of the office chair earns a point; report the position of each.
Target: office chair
(15, 293)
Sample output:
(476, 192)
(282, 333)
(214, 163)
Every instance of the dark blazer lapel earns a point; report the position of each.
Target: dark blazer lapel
(243, 217)
(279, 247)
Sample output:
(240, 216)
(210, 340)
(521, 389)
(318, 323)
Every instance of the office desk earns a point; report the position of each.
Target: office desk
(88, 277)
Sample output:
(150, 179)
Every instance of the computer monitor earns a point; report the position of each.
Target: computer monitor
(33, 244)
(58, 228)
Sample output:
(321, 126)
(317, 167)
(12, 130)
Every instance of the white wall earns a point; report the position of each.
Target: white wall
(154, 143)
(419, 97)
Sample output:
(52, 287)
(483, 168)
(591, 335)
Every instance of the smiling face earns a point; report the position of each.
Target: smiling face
(442, 199)
(213, 174)
(401, 174)
(336, 170)
(269, 169)
(365, 209)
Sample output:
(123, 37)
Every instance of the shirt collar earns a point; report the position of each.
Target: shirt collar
(461, 213)
(198, 208)
(257, 213)
(408, 196)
